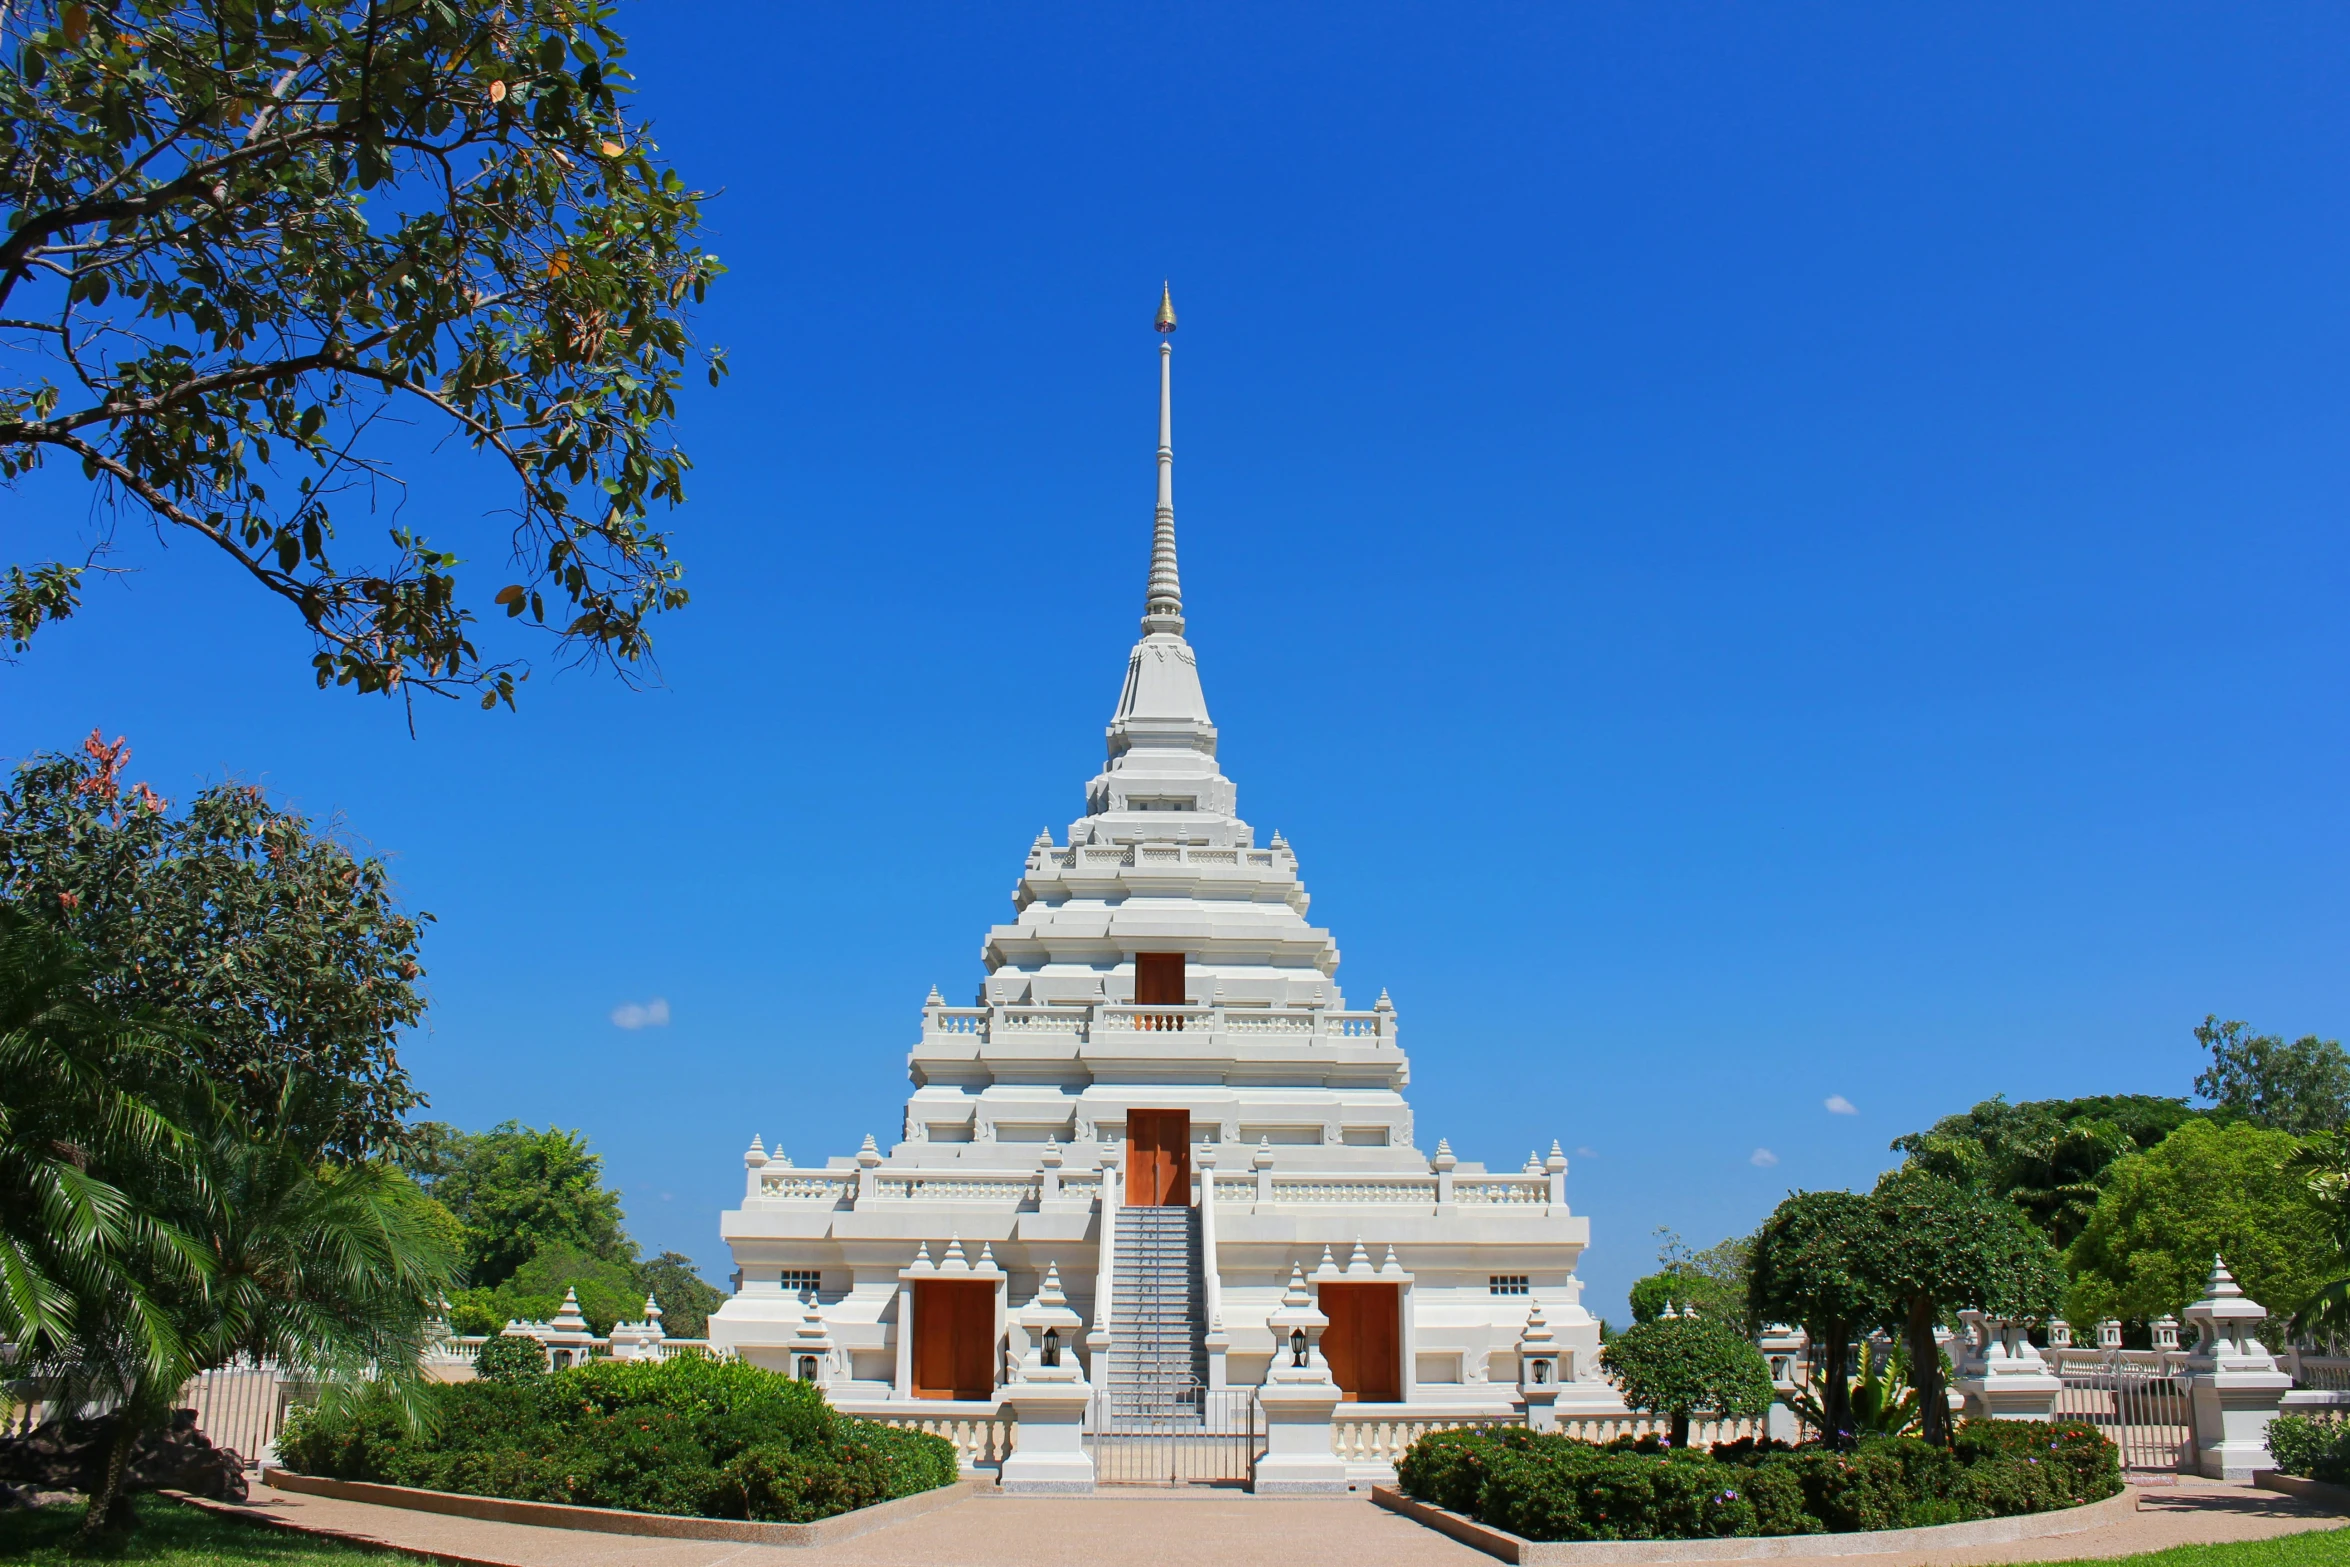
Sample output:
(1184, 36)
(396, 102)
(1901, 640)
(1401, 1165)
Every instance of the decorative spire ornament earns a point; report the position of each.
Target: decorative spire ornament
(1163, 604)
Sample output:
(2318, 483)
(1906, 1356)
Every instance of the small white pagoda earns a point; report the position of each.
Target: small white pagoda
(1162, 1093)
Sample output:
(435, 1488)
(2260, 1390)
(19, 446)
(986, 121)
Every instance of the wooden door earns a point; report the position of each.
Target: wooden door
(1364, 1342)
(1158, 1158)
(954, 1339)
(1158, 979)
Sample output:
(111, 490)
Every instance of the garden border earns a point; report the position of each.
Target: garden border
(613, 1520)
(2336, 1497)
(1763, 1547)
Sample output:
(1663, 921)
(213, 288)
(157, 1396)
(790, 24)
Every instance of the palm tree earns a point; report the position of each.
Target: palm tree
(328, 1271)
(149, 1231)
(83, 1095)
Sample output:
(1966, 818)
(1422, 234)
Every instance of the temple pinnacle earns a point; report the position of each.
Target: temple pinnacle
(1166, 320)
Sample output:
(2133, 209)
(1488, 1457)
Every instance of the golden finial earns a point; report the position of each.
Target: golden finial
(1166, 321)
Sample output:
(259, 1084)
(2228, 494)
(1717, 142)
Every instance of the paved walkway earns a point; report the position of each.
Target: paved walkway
(1197, 1529)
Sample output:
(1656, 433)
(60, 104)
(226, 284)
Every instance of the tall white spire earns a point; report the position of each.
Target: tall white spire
(1163, 604)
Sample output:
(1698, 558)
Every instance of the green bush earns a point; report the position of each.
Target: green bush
(1557, 1488)
(689, 1436)
(509, 1359)
(2315, 1447)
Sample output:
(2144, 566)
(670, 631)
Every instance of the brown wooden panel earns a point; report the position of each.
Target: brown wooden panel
(1158, 979)
(954, 1339)
(1158, 1158)
(1364, 1342)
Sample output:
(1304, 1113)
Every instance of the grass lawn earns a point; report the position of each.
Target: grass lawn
(172, 1535)
(2309, 1549)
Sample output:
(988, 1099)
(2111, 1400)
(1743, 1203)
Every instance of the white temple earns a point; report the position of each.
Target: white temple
(1163, 1094)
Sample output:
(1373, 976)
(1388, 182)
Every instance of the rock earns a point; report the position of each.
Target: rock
(26, 1496)
(70, 1455)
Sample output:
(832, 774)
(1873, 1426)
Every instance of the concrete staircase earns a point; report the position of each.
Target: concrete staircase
(1157, 1319)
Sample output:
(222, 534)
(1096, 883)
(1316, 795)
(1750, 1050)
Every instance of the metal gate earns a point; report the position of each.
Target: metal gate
(2142, 1409)
(1173, 1433)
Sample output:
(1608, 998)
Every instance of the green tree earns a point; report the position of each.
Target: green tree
(1712, 1280)
(1937, 1248)
(150, 1229)
(1680, 1367)
(246, 242)
(83, 1092)
(2049, 1157)
(2230, 1190)
(518, 1192)
(687, 1299)
(2324, 1164)
(2301, 1088)
(277, 946)
(1811, 1266)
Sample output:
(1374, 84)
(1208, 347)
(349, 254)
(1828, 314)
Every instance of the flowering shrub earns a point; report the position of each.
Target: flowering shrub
(690, 1436)
(1557, 1488)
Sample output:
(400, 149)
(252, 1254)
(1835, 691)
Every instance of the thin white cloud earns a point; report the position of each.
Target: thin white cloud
(1762, 1158)
(1839, 1105)
(653, 1014)
(1586, 1153)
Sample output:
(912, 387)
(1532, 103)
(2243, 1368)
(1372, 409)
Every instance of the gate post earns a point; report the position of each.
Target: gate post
(1299, 1397)
(1048, 1396)
(2232, 1380)
(2002, 1376)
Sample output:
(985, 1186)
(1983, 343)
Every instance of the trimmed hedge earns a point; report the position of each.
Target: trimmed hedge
(2315, 1447)
(1548, 1487)
(689, 1436)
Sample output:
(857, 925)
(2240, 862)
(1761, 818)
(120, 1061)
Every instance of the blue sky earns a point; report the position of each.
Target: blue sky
(1756, 554)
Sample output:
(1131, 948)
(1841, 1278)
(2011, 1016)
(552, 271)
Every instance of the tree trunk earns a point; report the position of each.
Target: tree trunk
(1679, 1431)
(1925, 1374)
(1836, 1388)
(106, 1507)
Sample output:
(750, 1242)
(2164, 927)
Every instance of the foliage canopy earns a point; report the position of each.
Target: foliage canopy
(1811, 1265)
(244, 242)
(275, 951)
(2049, 1157)
(1938, 1247)
(1684, 1366)
(2227, 1190)
(2303, 1087)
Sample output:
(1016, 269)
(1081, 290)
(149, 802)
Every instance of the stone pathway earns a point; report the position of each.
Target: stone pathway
(1197, 1528)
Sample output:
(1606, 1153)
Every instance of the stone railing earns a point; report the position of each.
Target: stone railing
(463, 1349)
(1120, 1019)
(2329, 1372)
(1531, 1190)
(1382, 1439)
(1112, 856)
(1379, 1189)
(997, 1187)
(980, 1441)
(1702, 1433)
(826, 1188)
(1355, 1190)
(2079, 1360)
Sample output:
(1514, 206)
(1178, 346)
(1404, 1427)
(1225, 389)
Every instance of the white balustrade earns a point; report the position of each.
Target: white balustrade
(1355, 1190)
(1083, 1022)
(1383, 1439)
(1500, 1190)
(817, 1186)
(979, 1441)
(940, 1186)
